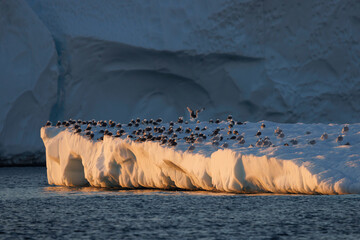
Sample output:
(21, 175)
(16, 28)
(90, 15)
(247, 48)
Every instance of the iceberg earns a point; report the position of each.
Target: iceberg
(226, 156)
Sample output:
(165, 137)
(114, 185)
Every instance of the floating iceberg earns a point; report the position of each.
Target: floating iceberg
(226, 156)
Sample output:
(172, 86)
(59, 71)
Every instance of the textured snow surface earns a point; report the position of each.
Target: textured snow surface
(282, 61)
(312, 165)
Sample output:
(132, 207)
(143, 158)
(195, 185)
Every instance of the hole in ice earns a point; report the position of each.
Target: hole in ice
(74, 172)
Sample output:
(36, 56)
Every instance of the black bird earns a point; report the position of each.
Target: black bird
(78, 130)
(91, 136)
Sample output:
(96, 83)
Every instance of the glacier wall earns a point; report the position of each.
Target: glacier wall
(275, 60)
(28, 78)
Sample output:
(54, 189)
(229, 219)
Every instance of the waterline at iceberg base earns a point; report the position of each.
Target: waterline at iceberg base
(304, 158)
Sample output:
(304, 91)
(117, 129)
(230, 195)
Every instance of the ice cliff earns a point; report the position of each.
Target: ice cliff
(292, 61)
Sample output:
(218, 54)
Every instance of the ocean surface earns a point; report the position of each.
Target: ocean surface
(32, 209)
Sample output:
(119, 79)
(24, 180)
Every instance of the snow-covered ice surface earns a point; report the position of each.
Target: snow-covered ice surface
(281, 61)
(312, 164)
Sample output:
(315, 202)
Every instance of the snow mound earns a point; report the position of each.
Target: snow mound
(285, 158)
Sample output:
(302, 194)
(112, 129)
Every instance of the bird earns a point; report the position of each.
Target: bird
(180, 120)
(324, 136)
(191, 148)
(215, 143)
(225, 145)
(277, 131)
(281, 135)
(294, 141)
(339, 138)
(78, 130)
(345, 129)
(194, 114)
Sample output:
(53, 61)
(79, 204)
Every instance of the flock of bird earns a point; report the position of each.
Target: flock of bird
(216, 132)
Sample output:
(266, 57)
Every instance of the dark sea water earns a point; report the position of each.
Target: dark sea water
(30, 208)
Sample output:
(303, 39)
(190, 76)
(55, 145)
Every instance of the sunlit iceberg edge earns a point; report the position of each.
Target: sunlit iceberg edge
(325, 168)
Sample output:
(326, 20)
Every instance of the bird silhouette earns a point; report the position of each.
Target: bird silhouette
(194, 114)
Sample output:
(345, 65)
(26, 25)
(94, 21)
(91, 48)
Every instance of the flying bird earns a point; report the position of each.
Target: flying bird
(194, 114)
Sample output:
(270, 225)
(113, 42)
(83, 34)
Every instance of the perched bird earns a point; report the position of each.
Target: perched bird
(277, 131)
(240, 137)
(293, 141)
(262, 126)
(191, 148)
(345, 129)
(194, 114)
(324, 136)
(339, 138)
(91, 136)
(312, 142)
(225, 145)
(266, 142)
